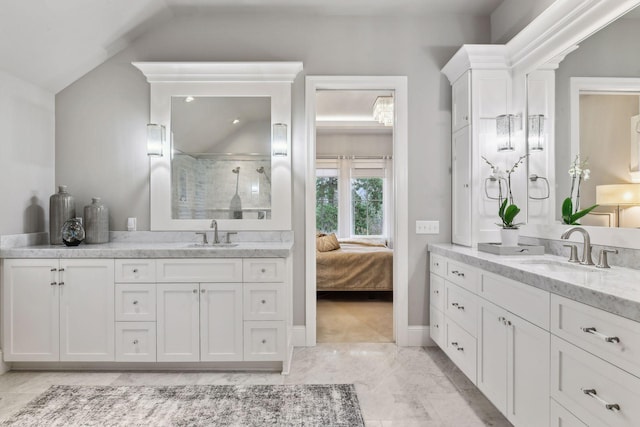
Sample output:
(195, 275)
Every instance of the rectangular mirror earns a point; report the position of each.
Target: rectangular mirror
(221, 163)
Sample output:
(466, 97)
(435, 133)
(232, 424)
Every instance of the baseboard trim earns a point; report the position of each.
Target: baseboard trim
(299, 336)
(4, 367)
(419, 336)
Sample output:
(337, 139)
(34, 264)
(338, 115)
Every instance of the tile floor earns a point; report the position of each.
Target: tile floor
(354, 317)
(396, 386)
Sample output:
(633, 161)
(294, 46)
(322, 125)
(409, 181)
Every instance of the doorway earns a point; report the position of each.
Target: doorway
(357, 166)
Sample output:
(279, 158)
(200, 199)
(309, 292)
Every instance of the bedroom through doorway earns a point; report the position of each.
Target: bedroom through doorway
(354, 216)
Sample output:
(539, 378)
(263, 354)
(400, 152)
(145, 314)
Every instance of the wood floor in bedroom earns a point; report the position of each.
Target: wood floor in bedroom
(356, 317)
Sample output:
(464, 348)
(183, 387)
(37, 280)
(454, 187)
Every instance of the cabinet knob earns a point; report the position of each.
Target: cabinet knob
(135, 341)
(202, 291)
(436, 264)
(54, 283)
(436, 291)
(264, 270)
(61, 284)
(135, 270)
(460, 348)
(264, 341)
(54, 269)
(466, 118)
(461, 307)
(135, 302)
(455, 304)
(263, 301)
(62, 269)
(455, 344)
(195, 291)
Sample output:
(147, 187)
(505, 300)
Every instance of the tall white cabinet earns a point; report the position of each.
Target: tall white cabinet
(481, 91)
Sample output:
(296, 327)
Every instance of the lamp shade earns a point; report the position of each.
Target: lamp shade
(536, 132)
(155, 139)
(506, 127)
(279, 143)
(618, 194)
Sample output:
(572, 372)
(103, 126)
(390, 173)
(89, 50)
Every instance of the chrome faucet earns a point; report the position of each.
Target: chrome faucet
(214, 225)
(586, 249)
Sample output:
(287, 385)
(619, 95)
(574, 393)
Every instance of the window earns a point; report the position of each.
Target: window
(327, 201)
(367, 206)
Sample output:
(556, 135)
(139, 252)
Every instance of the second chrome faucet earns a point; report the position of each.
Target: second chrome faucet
(586, 248)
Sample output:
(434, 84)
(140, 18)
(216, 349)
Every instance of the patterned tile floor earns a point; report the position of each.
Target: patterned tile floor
(396, 386)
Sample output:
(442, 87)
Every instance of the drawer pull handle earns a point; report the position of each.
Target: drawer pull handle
(461, 274)
(461, 307)
(54, 269)
(454, 304)
(135, 302)
(436, 292)
(135, 341)
(454, 272)
(593, 331)
(135, 270)
(54, 283)
(460, 348)
(61, 284)
(609, 406)
(454, 344)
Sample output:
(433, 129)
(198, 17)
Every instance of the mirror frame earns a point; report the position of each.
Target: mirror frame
(229, 79)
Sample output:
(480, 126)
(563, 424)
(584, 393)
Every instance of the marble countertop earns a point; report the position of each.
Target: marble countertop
(152, 250)
(616, 290)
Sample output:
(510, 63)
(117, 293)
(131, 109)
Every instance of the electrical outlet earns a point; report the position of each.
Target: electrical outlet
(427, 227)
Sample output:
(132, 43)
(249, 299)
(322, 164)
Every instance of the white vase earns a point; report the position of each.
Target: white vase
(509, 236)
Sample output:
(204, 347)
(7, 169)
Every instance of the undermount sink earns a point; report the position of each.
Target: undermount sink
(212, 245)
(558, 266)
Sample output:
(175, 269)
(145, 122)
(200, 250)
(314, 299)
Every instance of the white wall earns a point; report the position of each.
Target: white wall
(26, 156)
(101, 118)
(346, 144)
(512, 16)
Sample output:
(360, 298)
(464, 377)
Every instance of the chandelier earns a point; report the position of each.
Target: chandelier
(383, 110)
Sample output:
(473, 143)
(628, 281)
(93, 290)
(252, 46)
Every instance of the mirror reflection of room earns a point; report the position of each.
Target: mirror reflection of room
(221, 164)
(354, 255)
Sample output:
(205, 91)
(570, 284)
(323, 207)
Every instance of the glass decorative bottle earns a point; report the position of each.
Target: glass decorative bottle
(61, 208)
(96, 222)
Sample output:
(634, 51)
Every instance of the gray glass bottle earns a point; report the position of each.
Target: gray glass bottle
(96, 222)
(61, 208)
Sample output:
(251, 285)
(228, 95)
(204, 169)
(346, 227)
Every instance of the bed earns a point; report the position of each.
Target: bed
(357, 265)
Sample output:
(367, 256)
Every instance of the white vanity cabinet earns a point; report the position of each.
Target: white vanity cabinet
(493, 333)
(58, 310)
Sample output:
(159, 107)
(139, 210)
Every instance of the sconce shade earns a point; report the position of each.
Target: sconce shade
(155, 139)
(279, 144)
(618, 194)
(536, 132)
(383, 110)
(506, 126)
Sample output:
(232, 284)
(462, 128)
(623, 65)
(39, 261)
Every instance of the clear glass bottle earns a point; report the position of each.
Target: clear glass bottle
(96, 222)
(61, 208)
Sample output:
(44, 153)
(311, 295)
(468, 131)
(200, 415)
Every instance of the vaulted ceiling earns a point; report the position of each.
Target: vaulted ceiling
(51, 43)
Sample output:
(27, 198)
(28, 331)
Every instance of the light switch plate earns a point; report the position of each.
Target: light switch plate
(427, 227)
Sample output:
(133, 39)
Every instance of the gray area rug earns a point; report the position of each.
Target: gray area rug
(195, 405)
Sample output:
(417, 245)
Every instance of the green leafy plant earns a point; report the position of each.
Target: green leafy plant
(570, 217)
(579, 172)
(507, 210)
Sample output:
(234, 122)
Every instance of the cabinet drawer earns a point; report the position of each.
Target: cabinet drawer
(611, 337)
(264, 341)
(436, 322)
(461, 348)
(574, 372)
(560, 417)
(135, 270)
(264, 301)
(199, 270)
(437, 264)
(135, 341)
(462, 307)
(135, 302)
(526, 301)
(436, 284)
(463, 275)
(263, 270)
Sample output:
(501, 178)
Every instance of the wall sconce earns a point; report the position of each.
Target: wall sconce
(618, 194)
(279, 143)
(506, 127)
(536, 132)
(155, 139)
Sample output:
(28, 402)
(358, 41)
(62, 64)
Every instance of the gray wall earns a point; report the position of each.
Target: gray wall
(100, 120)
(596, 57)
(512, 16)
(26, 156)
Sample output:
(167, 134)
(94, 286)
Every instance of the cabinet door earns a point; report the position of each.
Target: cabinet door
(492, 353)
(461, 187)
(30, 306)
(87, 310)
(528, 379)
(461, 102)
(178, 332)
(220, 321)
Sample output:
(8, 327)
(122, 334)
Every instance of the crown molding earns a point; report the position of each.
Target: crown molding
(480, 57)
(169, 72)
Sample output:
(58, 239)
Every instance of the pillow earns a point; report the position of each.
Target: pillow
(327, 243)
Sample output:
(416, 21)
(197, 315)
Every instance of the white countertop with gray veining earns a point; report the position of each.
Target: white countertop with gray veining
(127, 249)
(616, 290)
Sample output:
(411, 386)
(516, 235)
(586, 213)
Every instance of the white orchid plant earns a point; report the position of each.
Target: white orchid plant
(578, 171)
(507, 210)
